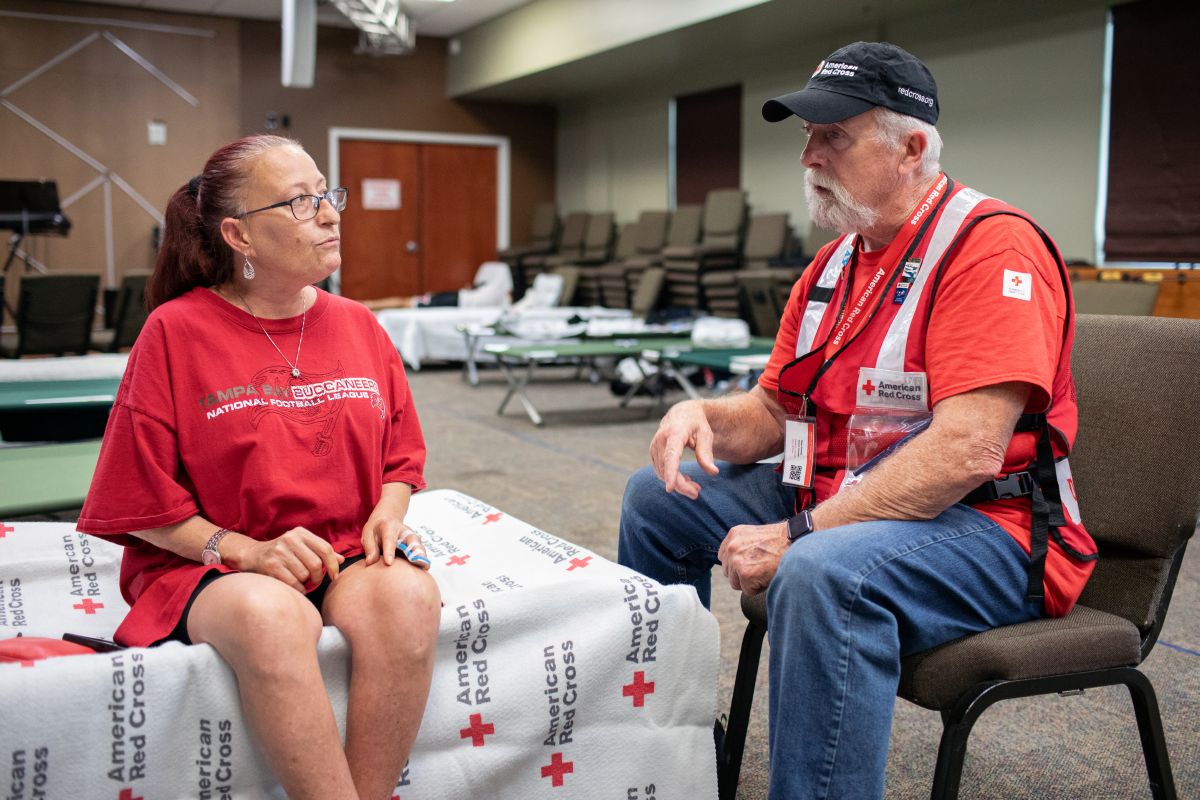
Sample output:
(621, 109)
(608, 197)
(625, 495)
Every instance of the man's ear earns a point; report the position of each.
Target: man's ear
(914, 151)
(234, 234)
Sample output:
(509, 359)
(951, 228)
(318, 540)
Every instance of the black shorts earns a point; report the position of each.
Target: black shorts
(316, 597)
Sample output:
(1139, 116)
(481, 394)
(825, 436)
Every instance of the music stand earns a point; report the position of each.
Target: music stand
(28, 207)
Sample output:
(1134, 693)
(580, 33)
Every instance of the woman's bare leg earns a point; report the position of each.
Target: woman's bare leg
(390, 616)
(267, 632)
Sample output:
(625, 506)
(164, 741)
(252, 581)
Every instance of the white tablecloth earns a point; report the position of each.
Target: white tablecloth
(433, 334)
(559, 674)
(64, 368)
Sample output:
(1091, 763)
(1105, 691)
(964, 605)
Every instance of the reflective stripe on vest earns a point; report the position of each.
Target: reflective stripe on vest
(815, 310)
(895, 343)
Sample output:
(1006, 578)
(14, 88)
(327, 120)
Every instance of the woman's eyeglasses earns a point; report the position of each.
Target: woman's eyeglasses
(305, 206)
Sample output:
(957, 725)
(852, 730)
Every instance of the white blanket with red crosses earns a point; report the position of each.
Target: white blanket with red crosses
(559, 675)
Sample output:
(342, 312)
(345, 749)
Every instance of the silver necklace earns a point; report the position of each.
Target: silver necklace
(303, 318)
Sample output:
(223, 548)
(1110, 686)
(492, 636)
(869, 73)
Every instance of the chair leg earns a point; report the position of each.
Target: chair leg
(952, 750)
(1154, 744)
(729, 757)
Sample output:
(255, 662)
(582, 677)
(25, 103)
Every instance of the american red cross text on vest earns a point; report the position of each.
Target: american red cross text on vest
(88, 606)
(579, 562)
(457, 561)
(477, 730)
(638, 689)
(557, 768)
(868, 387)
(127, 794)
(5, 528)
(492, 518)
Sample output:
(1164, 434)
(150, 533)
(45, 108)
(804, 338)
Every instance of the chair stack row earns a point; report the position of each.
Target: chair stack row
(705, 252)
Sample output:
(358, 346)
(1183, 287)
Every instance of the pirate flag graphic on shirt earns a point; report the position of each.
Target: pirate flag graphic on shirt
(323, 412)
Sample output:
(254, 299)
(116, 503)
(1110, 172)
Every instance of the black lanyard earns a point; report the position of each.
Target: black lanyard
(848, 287)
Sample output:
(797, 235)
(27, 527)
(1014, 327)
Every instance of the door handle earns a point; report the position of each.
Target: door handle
(411, 247)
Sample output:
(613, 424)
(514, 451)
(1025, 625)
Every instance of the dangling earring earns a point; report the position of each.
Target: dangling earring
(247, 269)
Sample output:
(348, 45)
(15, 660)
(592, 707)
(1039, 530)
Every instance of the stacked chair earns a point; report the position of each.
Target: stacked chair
(543, 239)
(720, 248)
(682, 230)
(597, 249)
(591, 290)
(570, 247)
(129, 314)
(648, 241)
(54, 315)
(767, 239)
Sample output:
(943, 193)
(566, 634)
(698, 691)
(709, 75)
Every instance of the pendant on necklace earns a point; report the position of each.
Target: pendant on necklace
(295, 372)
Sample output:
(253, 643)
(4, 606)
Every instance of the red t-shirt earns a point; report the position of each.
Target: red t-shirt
(976, 337)
(209, 421)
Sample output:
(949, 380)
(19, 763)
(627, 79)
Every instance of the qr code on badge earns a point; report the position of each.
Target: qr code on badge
(795, 472)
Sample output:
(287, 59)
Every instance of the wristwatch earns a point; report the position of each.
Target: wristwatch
(799, 525)
(210, 554)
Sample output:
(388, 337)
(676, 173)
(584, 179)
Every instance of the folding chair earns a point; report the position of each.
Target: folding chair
(54, 315)
(1137, 461)
(128, 317)
(617, 279)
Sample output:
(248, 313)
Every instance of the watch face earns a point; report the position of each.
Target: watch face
(210, 557)
(799, 525)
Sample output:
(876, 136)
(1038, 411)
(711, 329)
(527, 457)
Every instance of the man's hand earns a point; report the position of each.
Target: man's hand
(298, 558)
(685, 426)
(750, 555)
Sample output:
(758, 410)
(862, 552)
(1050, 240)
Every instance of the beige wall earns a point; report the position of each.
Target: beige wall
(393, 93)
(100, 101)
(1020, 102)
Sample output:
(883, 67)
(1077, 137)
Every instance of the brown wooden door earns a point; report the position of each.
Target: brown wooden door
(376, 261)
(458, 223)
(443, 230)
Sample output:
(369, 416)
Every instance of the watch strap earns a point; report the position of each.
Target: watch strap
(210, 554)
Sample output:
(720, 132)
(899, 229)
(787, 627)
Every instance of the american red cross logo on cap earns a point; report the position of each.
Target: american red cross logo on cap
(87, 606)
(820, 67)
(868, 387)
(477, 730)
(1016, 280)
(457, 561)
(579, 562)
(638, 689)
(494, 517)
(127, 794)
(557, 768)
(5, 528)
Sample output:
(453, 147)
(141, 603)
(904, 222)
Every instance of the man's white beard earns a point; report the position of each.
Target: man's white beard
(841, 212)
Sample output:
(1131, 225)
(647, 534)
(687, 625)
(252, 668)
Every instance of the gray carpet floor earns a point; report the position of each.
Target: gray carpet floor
(567, 477)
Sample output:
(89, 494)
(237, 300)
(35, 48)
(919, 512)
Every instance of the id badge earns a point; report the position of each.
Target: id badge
(798, 451)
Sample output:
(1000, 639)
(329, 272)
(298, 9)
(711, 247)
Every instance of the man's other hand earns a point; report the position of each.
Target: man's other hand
(684, 427)
(750, 555)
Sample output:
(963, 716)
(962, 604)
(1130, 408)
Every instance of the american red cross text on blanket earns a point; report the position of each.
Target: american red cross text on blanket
(559, 674)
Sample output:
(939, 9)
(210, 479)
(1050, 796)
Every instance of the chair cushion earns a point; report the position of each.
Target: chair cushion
(1083, 640)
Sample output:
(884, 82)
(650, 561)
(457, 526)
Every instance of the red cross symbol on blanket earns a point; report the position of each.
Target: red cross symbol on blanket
(495, 517)
(87, 606)
(5, 528)
(477, 730)
(557, 768)
(457, 561)
(127, 794)
(579, 562)
(868, 387)
(1016, 280)
(638, 689)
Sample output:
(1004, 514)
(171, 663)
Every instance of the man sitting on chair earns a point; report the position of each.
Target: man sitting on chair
(921, 391)
(492, 287)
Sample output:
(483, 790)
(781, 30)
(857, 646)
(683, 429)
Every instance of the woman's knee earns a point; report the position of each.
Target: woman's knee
(387, 606)
(253, 615)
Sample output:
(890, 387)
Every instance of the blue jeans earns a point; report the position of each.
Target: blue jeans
(846, 604)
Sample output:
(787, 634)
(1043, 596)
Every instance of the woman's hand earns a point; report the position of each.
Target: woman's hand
(298, 558)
